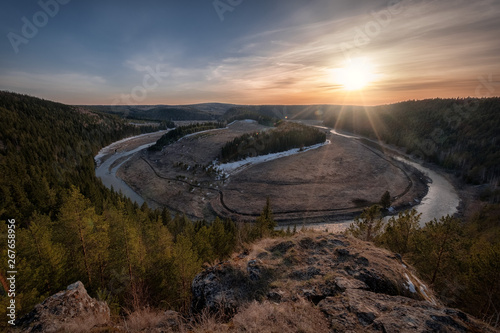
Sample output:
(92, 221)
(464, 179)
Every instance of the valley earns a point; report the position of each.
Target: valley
(329, 184)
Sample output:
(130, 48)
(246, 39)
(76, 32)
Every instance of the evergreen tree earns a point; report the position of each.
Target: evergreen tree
(385, 200)
(399, 234)
(42, 252)
(368, 225)
(187, 265)
(437, 244)
(265, 224)
(76, 223)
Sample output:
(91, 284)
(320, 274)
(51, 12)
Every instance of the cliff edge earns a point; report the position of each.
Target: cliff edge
(324, 283)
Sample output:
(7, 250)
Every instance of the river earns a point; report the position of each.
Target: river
(108, 175)
(442, 199)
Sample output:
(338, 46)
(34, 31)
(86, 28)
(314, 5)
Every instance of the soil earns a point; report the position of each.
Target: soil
(322, 185)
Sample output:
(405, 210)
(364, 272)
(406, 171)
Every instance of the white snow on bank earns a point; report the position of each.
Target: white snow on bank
(411, 286)
(422, 287)
(235, 167)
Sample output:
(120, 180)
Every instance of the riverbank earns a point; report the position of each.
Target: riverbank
(117, 154)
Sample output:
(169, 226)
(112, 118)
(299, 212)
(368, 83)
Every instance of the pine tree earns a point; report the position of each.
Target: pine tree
(437, 244)
(385, 200)
(265, 223)
(368, 225)
(203, 244)
(43, 252)
(76, 223)
(399, 234)
(186, 265)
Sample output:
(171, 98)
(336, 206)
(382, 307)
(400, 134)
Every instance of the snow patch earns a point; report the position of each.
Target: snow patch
(232, 168)
(411, 286)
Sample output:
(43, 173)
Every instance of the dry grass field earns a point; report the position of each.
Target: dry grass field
(319, 185)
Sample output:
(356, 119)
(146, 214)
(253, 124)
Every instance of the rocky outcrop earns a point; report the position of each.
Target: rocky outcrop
(71, 310)
(356, 286)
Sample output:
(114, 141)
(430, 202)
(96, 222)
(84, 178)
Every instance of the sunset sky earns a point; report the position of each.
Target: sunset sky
(362, 52)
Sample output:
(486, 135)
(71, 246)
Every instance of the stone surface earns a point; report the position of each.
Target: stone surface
(69, 310)
(357, 286)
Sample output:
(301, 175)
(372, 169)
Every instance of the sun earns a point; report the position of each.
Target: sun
(356, 74)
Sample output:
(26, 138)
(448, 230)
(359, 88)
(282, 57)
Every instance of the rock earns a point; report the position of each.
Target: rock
(366, 311)
(69, 310)
(344, 283)
(275, 296)
(281, 248)
(253, 270)
(211, 290)
(356, 286)
(305, 274)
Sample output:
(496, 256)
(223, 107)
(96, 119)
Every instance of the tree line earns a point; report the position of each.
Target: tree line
(45, 147)
(461, 135)
(179, 132)
(252, 113)
(70, 227)
(284, 137)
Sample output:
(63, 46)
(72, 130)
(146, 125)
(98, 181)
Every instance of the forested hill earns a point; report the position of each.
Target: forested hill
(69, 227)
(459, 134)
(44, 148)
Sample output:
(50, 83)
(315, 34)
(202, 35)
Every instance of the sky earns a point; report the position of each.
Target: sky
(364, 52)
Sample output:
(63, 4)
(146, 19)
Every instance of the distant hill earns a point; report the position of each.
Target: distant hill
(204, 111)
(45, 147)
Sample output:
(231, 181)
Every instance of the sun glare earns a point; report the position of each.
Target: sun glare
(355, 75)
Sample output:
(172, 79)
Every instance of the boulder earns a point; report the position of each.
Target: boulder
(69, 310)
(356, 286)
(365, 311)
(217, 289)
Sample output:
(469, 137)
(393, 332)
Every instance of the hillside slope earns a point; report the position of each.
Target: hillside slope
(331, 283)
(306, 283)
(461, 135)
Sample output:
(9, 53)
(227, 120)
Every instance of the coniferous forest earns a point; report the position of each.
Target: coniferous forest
(179, 132)
(284, 137)
(69, 227)
(461, 135)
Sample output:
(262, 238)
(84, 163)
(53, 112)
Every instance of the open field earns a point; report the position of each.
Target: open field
(324, 184)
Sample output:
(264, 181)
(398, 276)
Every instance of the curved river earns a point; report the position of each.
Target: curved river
(442, 199)
(107, 174)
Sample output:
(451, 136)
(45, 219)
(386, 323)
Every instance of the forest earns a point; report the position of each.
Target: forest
(242, 113)
(284, 137)
(174, 135)
(156, 113)
(69, 227)
(461, 135)
(45, 147)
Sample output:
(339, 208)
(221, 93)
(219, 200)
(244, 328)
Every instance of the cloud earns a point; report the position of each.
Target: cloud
(423, 48)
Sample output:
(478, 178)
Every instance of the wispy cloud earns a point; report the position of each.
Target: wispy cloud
(423, 48)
